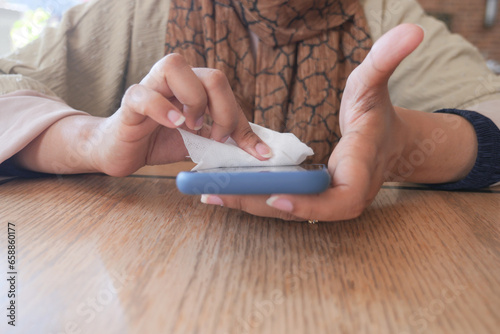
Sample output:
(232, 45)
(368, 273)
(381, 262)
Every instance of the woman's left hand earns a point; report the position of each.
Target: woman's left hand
(372, 140)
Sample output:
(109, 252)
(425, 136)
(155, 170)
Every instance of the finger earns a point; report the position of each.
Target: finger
(247, 140)
(140, 102)
(349, 196)
(347, 199)
(172, 77)
(254, 204)
(344, 201)
(222, 104)
(228, 118)
(388, 52)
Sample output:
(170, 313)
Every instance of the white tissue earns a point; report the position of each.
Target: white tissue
(287, 150)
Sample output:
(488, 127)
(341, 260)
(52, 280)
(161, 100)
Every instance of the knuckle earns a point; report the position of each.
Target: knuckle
(286, 216)
(198, 101)
(172, 60)
(216, 79)
(133, 93)
(247, 137)
(356, 209)
(239, 205)
(233, 202)
(308, 212)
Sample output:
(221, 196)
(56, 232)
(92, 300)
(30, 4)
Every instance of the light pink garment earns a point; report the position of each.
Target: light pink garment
(24, 116)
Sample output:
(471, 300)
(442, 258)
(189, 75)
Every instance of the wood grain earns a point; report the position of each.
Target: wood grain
(166, 170)
(133, 255)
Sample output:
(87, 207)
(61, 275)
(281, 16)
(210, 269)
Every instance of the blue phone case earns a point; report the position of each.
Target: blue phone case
(255, 180)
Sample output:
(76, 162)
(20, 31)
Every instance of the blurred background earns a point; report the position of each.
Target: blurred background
(476, 20)
(21, 21)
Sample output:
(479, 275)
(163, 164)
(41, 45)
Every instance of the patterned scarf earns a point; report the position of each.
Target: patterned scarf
(307, 50)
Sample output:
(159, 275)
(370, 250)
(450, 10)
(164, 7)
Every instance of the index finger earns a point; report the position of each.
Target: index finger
(174, 78)
(228, 118)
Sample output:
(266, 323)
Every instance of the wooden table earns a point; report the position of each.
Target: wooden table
(97, 254)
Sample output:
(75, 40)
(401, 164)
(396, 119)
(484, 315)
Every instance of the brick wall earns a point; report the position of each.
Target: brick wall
(466, 17)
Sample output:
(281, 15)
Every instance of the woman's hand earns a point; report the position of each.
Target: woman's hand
(143, 130)
(173, 95)
(373, 139)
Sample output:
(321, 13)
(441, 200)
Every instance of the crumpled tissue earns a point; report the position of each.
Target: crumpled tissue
(207, 153)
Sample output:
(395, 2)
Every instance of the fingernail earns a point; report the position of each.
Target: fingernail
(175, 117)
(199, 123)
(280, 203)
(211, 199)
(264, 150)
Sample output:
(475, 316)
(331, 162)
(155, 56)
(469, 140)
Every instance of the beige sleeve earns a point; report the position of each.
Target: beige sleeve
(19, 129)
(72, 60)
(445, 71)
(96, 52)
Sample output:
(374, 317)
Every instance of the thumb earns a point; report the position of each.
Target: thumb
(388, 52)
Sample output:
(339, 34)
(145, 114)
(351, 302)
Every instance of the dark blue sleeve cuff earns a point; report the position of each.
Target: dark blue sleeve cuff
(9, 168)
(486, 170)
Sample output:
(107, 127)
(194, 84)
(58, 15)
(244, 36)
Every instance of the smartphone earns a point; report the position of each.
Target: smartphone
(302, 179)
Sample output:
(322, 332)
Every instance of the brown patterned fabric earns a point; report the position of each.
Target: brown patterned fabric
(307, 50)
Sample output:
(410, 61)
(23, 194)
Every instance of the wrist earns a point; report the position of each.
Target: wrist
(63, 148)
(93, 140)
(81, 147)
(486, 168)
(438, 148)
(404, 136)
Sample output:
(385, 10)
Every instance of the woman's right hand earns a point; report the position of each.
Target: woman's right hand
(143, 130)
